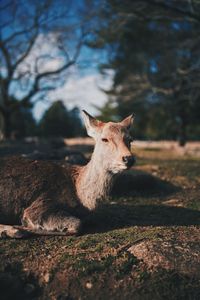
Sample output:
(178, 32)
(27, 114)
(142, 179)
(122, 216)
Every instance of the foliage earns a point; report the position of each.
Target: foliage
(23, 124)
(21, 120)
(153, 49)
(58, 121)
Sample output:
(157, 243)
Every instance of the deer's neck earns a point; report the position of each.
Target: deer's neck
(93, 183)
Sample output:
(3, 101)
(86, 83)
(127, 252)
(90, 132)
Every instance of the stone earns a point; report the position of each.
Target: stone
(183, 257)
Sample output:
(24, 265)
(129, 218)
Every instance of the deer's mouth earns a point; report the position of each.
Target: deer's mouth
(120, 166)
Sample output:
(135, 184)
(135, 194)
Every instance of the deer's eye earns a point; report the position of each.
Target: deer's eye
(104, 140)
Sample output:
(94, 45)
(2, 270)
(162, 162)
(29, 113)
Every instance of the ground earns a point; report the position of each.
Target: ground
(143, 243)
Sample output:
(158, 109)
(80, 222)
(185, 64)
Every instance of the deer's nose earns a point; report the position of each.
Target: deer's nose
(128, 160)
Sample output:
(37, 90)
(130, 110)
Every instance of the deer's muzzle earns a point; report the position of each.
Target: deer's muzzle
(129, 160)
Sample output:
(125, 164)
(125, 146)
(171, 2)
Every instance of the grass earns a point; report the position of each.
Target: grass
(159, 200)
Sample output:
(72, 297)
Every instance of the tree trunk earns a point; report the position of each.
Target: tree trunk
(183, 134)
(6, 125)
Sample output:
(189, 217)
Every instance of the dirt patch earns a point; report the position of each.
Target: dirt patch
(182, 257)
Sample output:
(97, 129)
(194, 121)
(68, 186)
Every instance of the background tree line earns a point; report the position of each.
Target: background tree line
(57, 121)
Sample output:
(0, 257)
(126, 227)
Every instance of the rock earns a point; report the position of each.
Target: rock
(183, 257)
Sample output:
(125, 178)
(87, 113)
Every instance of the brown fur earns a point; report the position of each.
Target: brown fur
(49, 197)
(23, 181)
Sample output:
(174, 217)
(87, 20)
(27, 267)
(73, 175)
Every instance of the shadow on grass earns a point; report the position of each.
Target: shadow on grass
(110, 217)
(142, 185)
(16, 284)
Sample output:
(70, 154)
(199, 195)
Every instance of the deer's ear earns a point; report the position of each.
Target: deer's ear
(93, 126)
(128, 122)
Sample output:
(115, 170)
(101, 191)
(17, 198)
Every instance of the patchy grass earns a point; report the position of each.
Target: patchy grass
(158, 200)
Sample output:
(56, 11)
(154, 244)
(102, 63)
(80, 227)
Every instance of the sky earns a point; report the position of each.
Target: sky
(82, 85)
(81, 90)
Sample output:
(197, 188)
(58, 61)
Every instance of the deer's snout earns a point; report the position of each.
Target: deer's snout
(129, 160)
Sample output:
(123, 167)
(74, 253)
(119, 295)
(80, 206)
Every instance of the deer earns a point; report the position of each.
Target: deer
(45, 198)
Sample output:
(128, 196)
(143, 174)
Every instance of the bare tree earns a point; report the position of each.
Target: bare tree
(39, 42)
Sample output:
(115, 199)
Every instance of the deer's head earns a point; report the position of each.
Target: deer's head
(112, 148)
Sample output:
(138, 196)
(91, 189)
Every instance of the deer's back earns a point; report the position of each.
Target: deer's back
(22, 181)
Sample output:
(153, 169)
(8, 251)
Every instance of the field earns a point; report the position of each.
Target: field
(143, 242)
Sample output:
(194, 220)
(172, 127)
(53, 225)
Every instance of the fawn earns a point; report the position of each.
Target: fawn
(41, 197)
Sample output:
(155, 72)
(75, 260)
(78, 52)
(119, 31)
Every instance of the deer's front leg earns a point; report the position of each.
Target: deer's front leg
(46, 215)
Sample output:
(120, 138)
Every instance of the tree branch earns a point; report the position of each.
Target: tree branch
(36, 88)
(18, 33)
(7, 58)
(26, 53)
(141, 13)
(175, 9)
(6, 6)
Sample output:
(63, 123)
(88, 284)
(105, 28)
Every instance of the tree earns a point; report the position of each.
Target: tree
(59, 122)
(1, 127)
(56, 121)
(152, 48)
(29, 67)
(76, 124)
(21, 121)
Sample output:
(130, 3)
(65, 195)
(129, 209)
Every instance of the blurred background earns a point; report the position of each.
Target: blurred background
(109, 57)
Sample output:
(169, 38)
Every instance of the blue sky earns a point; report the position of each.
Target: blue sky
(82, 82)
